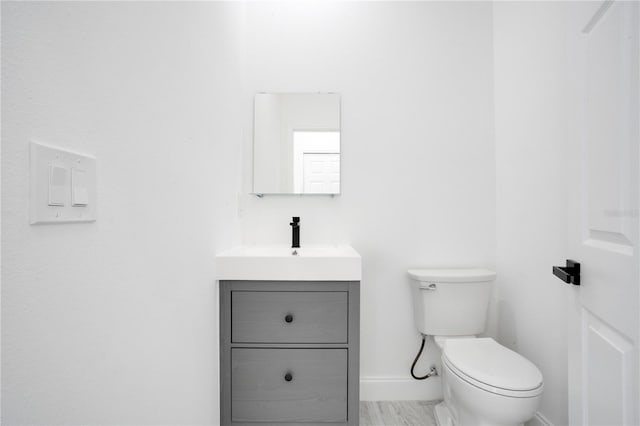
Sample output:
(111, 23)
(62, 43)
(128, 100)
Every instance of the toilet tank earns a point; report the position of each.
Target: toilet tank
(451, 302)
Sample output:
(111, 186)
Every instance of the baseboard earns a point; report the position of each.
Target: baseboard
(539, 420)
(399, 389)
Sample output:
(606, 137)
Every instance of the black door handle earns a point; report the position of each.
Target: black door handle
(570, 274)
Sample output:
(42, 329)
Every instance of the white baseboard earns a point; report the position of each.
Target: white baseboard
(539, 420)
(399, 389)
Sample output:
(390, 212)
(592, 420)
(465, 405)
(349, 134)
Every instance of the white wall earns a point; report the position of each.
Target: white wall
(115, 322)
(531, 133)
(418, 186)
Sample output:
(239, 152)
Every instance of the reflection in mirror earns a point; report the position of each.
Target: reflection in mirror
(296, 143)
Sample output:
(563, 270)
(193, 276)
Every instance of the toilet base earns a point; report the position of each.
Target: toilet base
(444, 418)
(443, 415)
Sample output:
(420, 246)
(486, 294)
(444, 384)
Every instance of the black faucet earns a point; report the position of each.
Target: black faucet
(295, 232)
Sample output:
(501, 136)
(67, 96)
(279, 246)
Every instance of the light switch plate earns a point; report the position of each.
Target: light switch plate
(53, 196)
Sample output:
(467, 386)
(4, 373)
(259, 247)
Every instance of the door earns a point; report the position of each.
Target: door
(603, 213)
(321, 173)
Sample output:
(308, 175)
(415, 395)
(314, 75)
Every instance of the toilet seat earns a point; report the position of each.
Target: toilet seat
(486, 364)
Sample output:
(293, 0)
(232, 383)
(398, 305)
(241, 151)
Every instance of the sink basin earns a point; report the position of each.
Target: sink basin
(281, 263)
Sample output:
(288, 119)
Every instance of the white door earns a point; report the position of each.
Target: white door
(321, 173)
(603, 213)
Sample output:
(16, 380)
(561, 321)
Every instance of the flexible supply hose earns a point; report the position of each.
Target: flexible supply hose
(432, 371)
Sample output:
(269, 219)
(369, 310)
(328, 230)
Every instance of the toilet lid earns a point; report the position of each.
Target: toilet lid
(486, 361)
(452, 275)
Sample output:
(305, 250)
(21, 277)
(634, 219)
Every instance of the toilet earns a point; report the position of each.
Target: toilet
(483, 382)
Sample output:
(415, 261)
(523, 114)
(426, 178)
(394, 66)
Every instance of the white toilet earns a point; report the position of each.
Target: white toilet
(483, 383)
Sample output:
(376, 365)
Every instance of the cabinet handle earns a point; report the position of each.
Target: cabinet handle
(288, 377)
(288, 318)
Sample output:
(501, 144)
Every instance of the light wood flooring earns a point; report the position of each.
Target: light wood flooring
(397, 413)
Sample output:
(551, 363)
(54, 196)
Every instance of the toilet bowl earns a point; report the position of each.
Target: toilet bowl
(485, 383)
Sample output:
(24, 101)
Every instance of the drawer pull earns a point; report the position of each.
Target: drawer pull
(288, 318)
(288, 377)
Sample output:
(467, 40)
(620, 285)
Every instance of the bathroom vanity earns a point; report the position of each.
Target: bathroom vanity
(289, 335)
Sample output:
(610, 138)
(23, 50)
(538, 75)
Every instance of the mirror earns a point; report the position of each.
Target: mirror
(296, 143)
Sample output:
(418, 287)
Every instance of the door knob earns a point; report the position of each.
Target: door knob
(570, 274)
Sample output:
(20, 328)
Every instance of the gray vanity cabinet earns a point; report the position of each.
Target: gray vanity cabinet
(289, 352)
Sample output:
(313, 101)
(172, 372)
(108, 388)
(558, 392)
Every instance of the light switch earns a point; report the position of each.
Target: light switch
(79, 190)
(57, 184)
(62, 185)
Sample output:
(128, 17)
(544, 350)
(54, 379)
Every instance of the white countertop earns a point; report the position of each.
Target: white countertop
(278, 263)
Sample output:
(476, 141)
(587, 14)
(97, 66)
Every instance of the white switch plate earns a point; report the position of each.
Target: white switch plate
(78, 205)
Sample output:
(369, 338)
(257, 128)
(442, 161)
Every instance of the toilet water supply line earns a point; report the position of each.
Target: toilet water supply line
(432, 371)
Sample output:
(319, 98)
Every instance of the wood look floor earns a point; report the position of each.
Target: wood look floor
(397, 413)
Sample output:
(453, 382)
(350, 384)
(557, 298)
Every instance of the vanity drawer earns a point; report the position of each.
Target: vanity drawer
(289, 316)
(288, 385)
